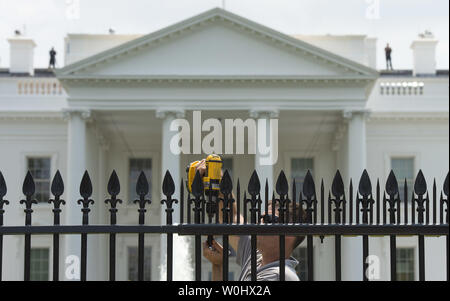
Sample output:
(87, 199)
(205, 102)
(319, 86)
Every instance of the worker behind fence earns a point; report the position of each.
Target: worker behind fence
(268, 253)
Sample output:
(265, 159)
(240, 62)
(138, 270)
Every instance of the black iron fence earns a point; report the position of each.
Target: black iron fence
(364, 212)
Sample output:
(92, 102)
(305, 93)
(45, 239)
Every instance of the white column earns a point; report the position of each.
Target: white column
(170, 162)
(76, 165)
(265, 171)
(352, 258)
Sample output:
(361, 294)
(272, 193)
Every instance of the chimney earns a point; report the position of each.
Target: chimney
(424, 54)
(21, 54)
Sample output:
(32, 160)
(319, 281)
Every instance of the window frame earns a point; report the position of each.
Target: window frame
(154, 156)
(50, 261)
(54, 159)
(288, 156)
(415, 258)
(401, 155)
(127, 261)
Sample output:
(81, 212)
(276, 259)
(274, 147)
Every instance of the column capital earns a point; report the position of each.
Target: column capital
(163, 113)
(259, 113)
(85, 114)
(349, 114)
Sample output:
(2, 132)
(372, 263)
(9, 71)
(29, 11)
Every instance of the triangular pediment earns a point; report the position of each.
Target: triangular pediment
(216, 44)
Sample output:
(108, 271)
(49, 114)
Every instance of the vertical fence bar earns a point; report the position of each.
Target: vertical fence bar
(394, 207)
(338, 190)
(309, 191)
(254, 188)
(322, 203)
(113, 189)
(282, 189)
(57, 190)
(434, 203)
(86, 193)
(226, 188)
(3, 190)
(28, 190)
(365, 198)
(142, 189)
(181, 202)
(378, 201)
(405, 208)
(168, 189)
(198, 192)
(445, 191)
(351, 202)
(238, 202)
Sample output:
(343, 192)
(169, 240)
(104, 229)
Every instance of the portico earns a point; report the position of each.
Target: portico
(127, 97)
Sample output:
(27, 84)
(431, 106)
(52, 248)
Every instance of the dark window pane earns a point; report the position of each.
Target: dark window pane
(133, 260)
(404, 169)
(405, 264)
(299, 168)
(39, 263)
(40, 169)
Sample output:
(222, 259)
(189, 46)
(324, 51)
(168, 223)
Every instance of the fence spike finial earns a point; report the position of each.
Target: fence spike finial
(392, 185)
(57, 188)
(197, 185)
(337, 187)
(28, 187)
(226, 184)
(420, 186)
(86, 186)
(254, 186)
(113, 184)
(168, 186)
(282, 186)
(365, 185)
(446, 186)
(309, 187)
(142, 187)
(3, 191)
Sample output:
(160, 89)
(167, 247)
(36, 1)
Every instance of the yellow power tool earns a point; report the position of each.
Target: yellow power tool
(212, 176)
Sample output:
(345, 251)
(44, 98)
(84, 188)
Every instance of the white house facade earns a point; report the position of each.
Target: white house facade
(111, 107)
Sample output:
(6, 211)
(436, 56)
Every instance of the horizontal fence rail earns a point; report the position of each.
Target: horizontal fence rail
(362, 212)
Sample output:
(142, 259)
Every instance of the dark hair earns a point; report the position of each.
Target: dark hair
(291, 214)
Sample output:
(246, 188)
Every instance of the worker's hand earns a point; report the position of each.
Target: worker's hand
(201, 168)
(214, 253)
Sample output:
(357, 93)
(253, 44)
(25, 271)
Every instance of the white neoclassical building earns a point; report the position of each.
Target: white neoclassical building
(111, 106)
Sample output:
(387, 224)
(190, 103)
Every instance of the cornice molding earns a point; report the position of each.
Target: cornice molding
(410, 116)
(215, 79)
(32, 116)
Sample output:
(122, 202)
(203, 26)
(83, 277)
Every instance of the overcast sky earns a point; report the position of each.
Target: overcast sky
(394, 21)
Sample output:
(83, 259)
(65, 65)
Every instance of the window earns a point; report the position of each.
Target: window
(39, 263)
(228, 165)
(299, 168)
(133, 263)
(404, 169)
(136, 166)
(40, 170)
(301, 255)
(405, 264)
